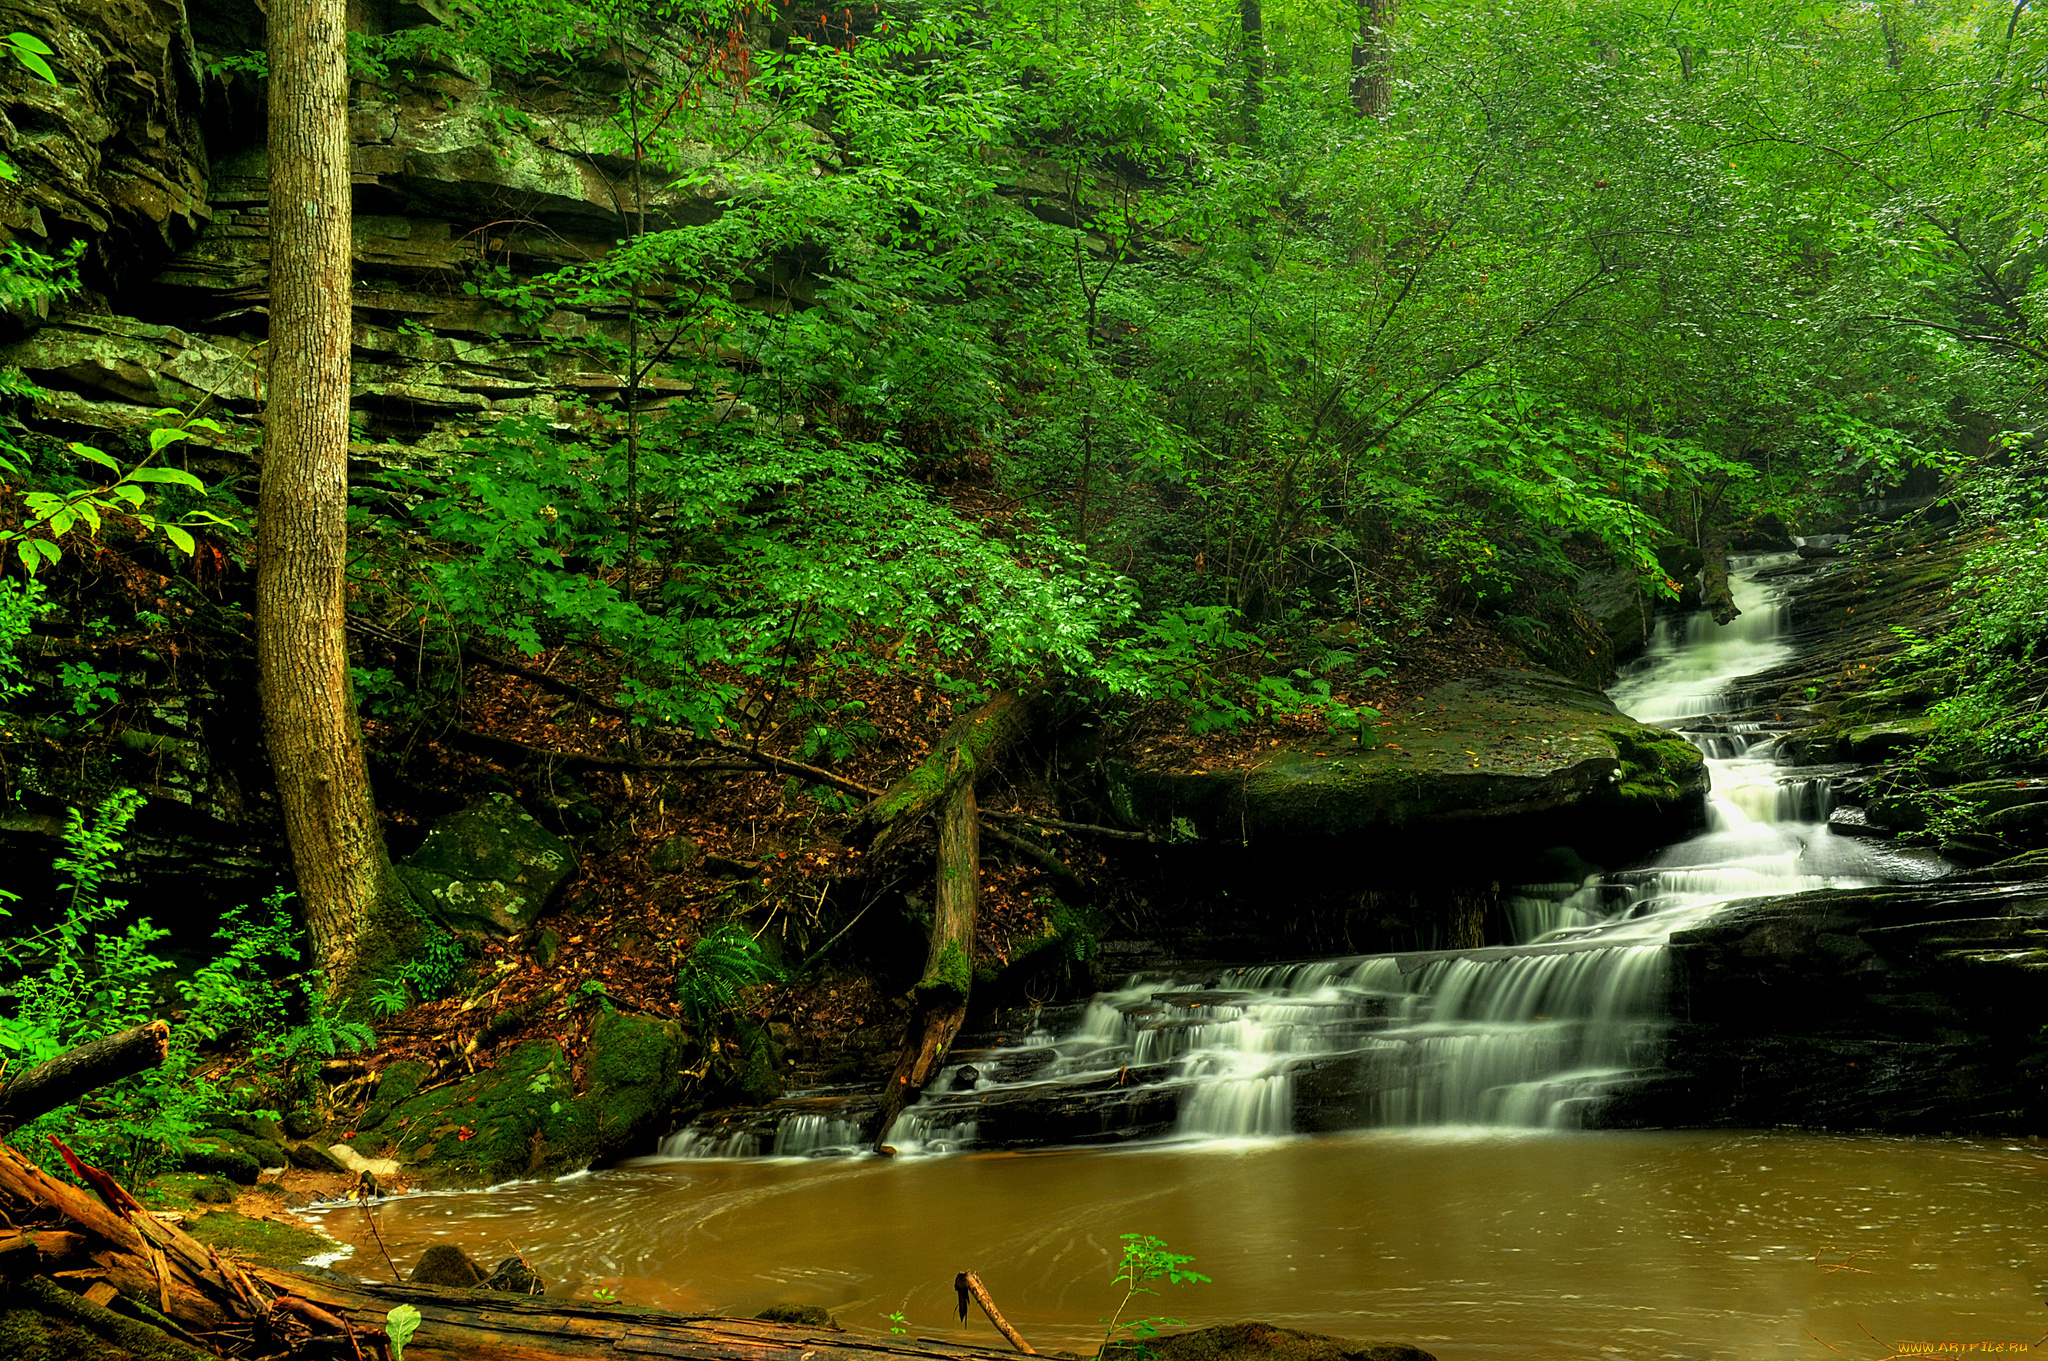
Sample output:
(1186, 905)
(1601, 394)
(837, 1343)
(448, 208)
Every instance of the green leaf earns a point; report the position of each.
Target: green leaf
(176, 477)
(399, 1326)
(29, 42)
(179, 537)
(160, 440)
(92, 455)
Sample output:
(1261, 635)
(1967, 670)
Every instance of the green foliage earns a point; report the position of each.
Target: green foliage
(720, 966)
(1146, 1263)
(68, 504)
(97, 971)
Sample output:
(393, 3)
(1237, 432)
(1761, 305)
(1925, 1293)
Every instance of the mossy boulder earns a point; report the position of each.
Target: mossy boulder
(219, 1158)
(525, 1116)
(490, 869)
(1509, 754)
(178, 1190)
(1259, 1342)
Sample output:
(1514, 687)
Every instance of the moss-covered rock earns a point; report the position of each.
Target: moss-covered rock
(447, 1264)
(216, 1157)
(524, 1116)
(490, 868)
(271, 1242)
(1259, 1342)
(1480, 755)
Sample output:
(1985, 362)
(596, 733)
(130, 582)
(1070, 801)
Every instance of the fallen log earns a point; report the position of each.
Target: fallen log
(1714, 590)
(939, 1001)
(76, 1071)
(157, 1265)
(969, 1287)
(477, 1325)
(969, 749)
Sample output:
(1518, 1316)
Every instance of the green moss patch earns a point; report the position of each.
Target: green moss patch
(271, 1242)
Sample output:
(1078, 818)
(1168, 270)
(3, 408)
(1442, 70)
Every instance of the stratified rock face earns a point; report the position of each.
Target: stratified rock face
(1912, 1010)
(1498, 756)
(113, 155)
(489, 869)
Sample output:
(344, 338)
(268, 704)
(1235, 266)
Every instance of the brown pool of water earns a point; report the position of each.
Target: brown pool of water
(1545, 1247)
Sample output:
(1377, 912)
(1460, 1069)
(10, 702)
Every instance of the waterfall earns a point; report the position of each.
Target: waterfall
(1529, 1034)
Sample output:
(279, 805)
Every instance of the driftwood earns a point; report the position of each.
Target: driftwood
(143, 1259)
(476, 1325)
(969, 1287)
(73, 1073)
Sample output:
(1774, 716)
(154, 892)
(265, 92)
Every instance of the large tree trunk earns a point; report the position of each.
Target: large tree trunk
(939, 1002)
(73, 1073)
(356, 911)
(1370, 92)
(1251, 29)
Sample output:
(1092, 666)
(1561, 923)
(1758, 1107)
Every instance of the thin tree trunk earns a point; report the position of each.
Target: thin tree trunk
(940, 998)
(73, 1073)
(356, 912)
(1251, 28)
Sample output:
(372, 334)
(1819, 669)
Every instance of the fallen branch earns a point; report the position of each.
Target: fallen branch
(1036, 855)
(489, 744)
(1084, 828)
(76, 1071)
(970, 748)
(969, 1285)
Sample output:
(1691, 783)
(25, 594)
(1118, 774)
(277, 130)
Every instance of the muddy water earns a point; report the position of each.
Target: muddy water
(1484, 1244)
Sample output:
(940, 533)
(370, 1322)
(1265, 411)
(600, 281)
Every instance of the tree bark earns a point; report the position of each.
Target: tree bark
(978, 739)
(357, 914)
(77, 1071)
(940, 998)
(1370, 92)
(1251, 29)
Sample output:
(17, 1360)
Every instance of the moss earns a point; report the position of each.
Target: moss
(951, 973)
(268, 1241)
(180, 1190)
(525, 1117)
(46, 1322)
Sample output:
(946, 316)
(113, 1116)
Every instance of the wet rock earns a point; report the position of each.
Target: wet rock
(1510, 755)
(446, 1264)
(810, 1315)
(515, 1277)
(1911, 1009)
(313, 1158)
(489, 869)
(1618, 605)
(1259, 1342)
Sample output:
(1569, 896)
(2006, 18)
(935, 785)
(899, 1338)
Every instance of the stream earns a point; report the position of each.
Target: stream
(1451, 1199)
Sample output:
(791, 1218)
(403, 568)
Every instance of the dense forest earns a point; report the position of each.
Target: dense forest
(676, 577)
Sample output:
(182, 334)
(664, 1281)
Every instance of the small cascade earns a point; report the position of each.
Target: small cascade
(1530, 1034)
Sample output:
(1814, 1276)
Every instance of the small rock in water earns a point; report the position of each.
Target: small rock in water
(515, 1277)
(964, 1080)
(446, 1264)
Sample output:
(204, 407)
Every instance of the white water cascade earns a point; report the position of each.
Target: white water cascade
(1528, 1034)
(1520, 1035)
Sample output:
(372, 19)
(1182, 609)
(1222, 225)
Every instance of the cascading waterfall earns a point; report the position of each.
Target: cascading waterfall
(1528, 1034)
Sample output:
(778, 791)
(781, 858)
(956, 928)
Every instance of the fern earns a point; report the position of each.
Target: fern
(724, 963)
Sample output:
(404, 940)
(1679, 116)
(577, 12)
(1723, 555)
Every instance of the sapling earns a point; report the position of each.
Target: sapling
(1145, 1263)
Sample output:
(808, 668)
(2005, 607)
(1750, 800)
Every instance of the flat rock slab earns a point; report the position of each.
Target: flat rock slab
(1492, 749)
